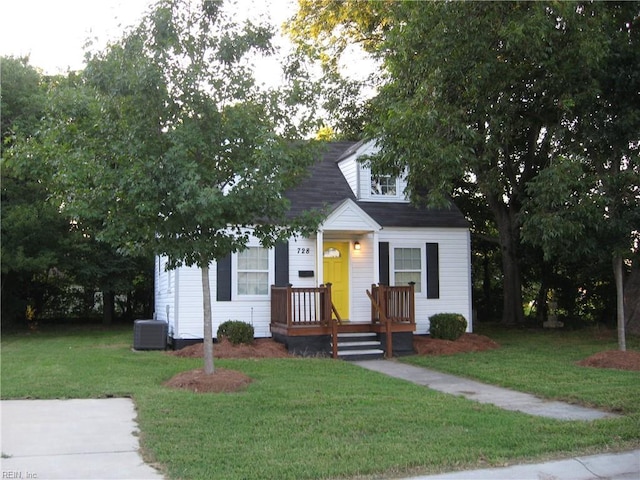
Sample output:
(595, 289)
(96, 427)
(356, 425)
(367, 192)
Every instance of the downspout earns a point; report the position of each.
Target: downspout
(469, 284)
(176, 297)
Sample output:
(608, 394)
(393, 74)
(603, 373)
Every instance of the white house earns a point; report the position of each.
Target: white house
(371, 236)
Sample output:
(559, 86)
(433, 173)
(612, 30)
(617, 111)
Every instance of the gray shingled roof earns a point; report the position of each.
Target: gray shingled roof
(326, 186)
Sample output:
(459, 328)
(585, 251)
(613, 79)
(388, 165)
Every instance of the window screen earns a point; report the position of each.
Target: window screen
(407, 267)
(383, 185)
(253, 271)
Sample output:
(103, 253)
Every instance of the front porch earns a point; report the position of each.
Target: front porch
(307, 322)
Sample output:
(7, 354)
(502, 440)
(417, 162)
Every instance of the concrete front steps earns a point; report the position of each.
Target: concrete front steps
(359, 346)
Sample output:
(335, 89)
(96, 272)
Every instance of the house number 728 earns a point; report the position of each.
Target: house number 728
(304, 251)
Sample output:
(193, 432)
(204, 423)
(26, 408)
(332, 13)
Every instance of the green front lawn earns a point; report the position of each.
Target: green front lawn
(313, 418)
(544, 362)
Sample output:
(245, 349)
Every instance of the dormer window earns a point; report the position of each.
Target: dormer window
(384, 185)
(371, 186)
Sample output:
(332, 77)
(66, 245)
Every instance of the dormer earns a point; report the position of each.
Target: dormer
(365, 185)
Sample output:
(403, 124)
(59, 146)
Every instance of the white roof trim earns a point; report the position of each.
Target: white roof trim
(359, 149)
(348, 216)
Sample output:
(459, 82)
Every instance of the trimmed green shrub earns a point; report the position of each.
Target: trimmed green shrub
(447, 326)
(236, 332)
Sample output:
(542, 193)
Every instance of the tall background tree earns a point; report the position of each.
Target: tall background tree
(485, 94)
(587, 203)
(31, 229)
(49, 263)
(169, 145)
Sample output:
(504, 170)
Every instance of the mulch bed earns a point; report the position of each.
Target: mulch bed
(260, 348)
(629, 360)
(224, 380)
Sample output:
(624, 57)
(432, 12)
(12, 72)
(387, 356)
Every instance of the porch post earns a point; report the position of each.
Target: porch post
(375, 259)
(319, 257)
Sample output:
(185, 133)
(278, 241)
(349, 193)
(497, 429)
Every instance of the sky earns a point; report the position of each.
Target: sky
(53, 32)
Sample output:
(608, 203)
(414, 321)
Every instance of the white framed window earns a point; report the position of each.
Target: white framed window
(384, 185)
(252, 272)
(407, 266)
(381, 188)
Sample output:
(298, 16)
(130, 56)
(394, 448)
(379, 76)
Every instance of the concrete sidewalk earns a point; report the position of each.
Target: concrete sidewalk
(483, 393)
(615, 466)
(72, 439)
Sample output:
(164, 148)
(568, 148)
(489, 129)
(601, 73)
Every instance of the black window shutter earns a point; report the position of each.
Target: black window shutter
(282, 264)
(223, 279)
(383, 260)
(433, 274)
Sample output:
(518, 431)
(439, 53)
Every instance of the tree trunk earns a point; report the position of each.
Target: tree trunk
(541, 304)
(488, 301)
(108, 307)
(618, 274)
(509, 234)
(208, 323)
(512, 312)
(632, 301)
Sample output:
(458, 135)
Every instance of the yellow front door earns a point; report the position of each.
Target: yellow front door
(336, 271)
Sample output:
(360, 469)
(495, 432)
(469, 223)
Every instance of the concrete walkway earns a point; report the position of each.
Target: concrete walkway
(72, 439)
(483, 393)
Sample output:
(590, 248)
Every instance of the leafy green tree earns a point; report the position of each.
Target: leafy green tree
(32, 230)
(46, 256)
(588, 201)
(33, 240)
(169, 145)
(99, 267)
(325, 29)
(486, 92)
(325, 32)
(22, 98)
(485, 85)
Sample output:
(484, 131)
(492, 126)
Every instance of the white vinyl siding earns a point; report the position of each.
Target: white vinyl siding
(362, 274)
(164, 293)
(254, 310)
(455, 282)
(302, 258)
(349, 169)
(455, 262)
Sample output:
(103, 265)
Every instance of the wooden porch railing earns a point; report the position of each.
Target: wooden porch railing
(397, 303)
(301, 306)
(298, 309)
(391, 305)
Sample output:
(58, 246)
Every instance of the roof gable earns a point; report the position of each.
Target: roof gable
(347, 215)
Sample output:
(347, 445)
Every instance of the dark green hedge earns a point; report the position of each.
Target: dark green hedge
(447, 326)
(236, 332)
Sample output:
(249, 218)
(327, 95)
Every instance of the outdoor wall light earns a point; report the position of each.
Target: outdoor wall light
(356, 245)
